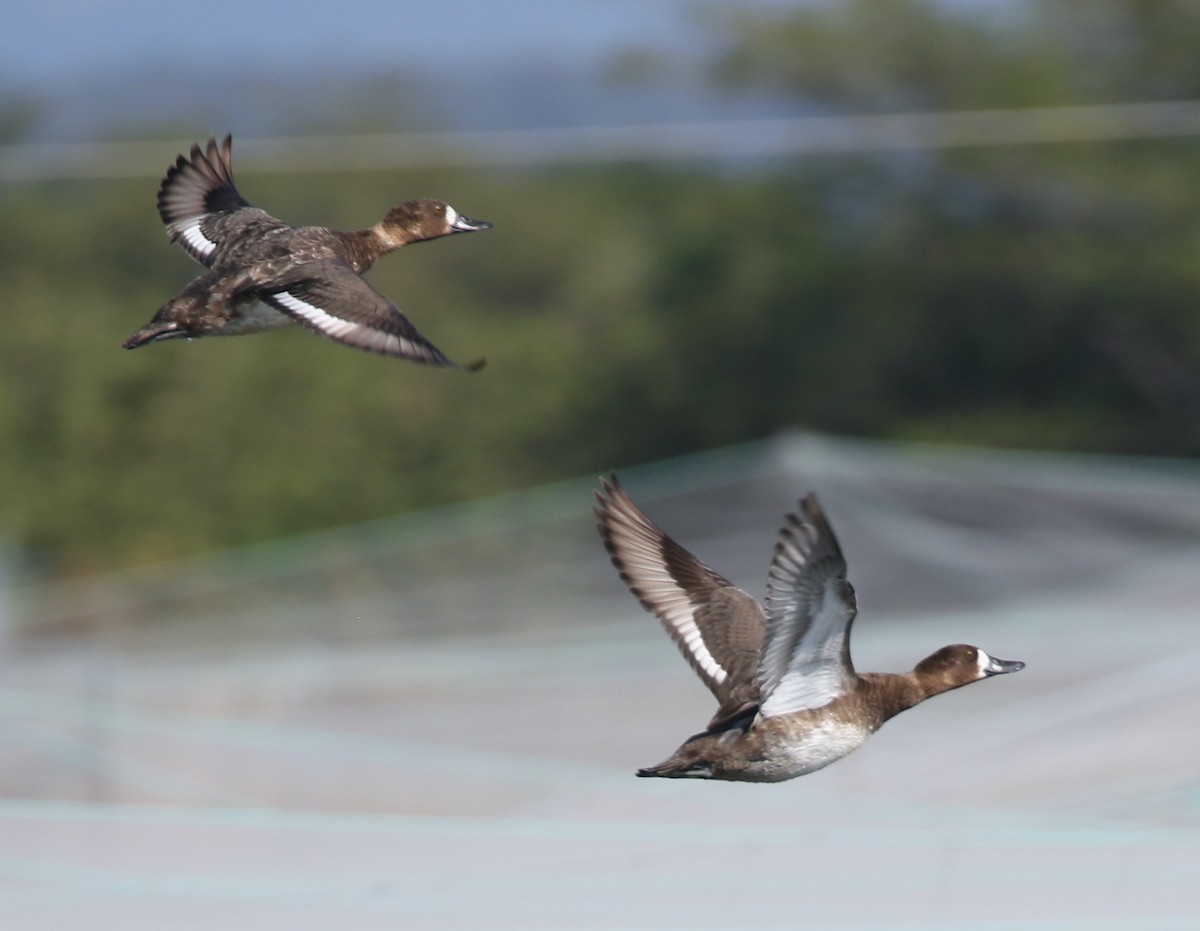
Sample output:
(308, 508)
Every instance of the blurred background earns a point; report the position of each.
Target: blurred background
(291, 634)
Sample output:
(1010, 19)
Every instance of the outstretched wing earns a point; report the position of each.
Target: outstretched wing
(717, 627)
(332, 299)
(810, 608)
(199, 203)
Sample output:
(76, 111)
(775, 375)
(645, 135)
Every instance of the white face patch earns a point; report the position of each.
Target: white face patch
(983, 661)
(451, 216)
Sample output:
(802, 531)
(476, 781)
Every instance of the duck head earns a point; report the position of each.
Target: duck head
(418, 220)
(960, 664)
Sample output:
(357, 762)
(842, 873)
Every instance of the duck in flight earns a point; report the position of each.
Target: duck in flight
(264, 274)
(790, 700)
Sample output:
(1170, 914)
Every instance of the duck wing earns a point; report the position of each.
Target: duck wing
(810, 609)
(331, 298)
(717, 627)
(200, 205)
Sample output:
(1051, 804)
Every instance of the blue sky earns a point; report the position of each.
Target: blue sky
(99, 68)
(57, 39)
(102, 69)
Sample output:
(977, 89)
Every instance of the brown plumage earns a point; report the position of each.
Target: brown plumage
(789, 699)
(264, 274)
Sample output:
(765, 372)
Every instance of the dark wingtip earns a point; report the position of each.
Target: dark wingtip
(610, 487)
(603, 496)
(476, 365)
(810, 504)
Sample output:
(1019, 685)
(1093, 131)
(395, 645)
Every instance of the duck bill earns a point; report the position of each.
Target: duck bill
(997, 667)
(463, 224)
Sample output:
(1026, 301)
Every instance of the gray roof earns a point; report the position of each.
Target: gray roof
(433, 721)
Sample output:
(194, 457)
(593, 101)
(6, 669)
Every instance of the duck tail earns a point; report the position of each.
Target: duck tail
(675, 768)
(152, 332)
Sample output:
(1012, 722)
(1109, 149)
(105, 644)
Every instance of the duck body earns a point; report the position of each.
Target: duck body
(264, 274)
(770, 750)
(209, 306)
(790, 700)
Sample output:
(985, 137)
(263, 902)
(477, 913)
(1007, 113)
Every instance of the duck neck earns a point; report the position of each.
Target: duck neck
(891, 693)
(364, 247)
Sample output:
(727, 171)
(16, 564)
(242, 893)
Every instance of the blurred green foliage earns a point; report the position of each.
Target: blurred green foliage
(1033, 296)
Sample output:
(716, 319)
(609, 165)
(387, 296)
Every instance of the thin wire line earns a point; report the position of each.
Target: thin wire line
(795, 137)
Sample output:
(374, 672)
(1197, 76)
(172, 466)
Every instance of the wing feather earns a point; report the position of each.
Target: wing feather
(332, 299)
(717, 627)
(810, 608)
(197, 198)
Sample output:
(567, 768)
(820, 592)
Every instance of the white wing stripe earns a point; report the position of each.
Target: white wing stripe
(642, 564)
(695, 643)
(192, 235)
(348, 330)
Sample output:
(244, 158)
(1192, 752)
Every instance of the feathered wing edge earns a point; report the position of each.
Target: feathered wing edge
(717, 627)
(810, 608)
(195, 188)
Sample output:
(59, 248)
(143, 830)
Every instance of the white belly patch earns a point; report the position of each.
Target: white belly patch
(796, 754)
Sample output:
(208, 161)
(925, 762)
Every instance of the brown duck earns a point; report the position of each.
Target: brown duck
(790, 699)
(264, 274)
